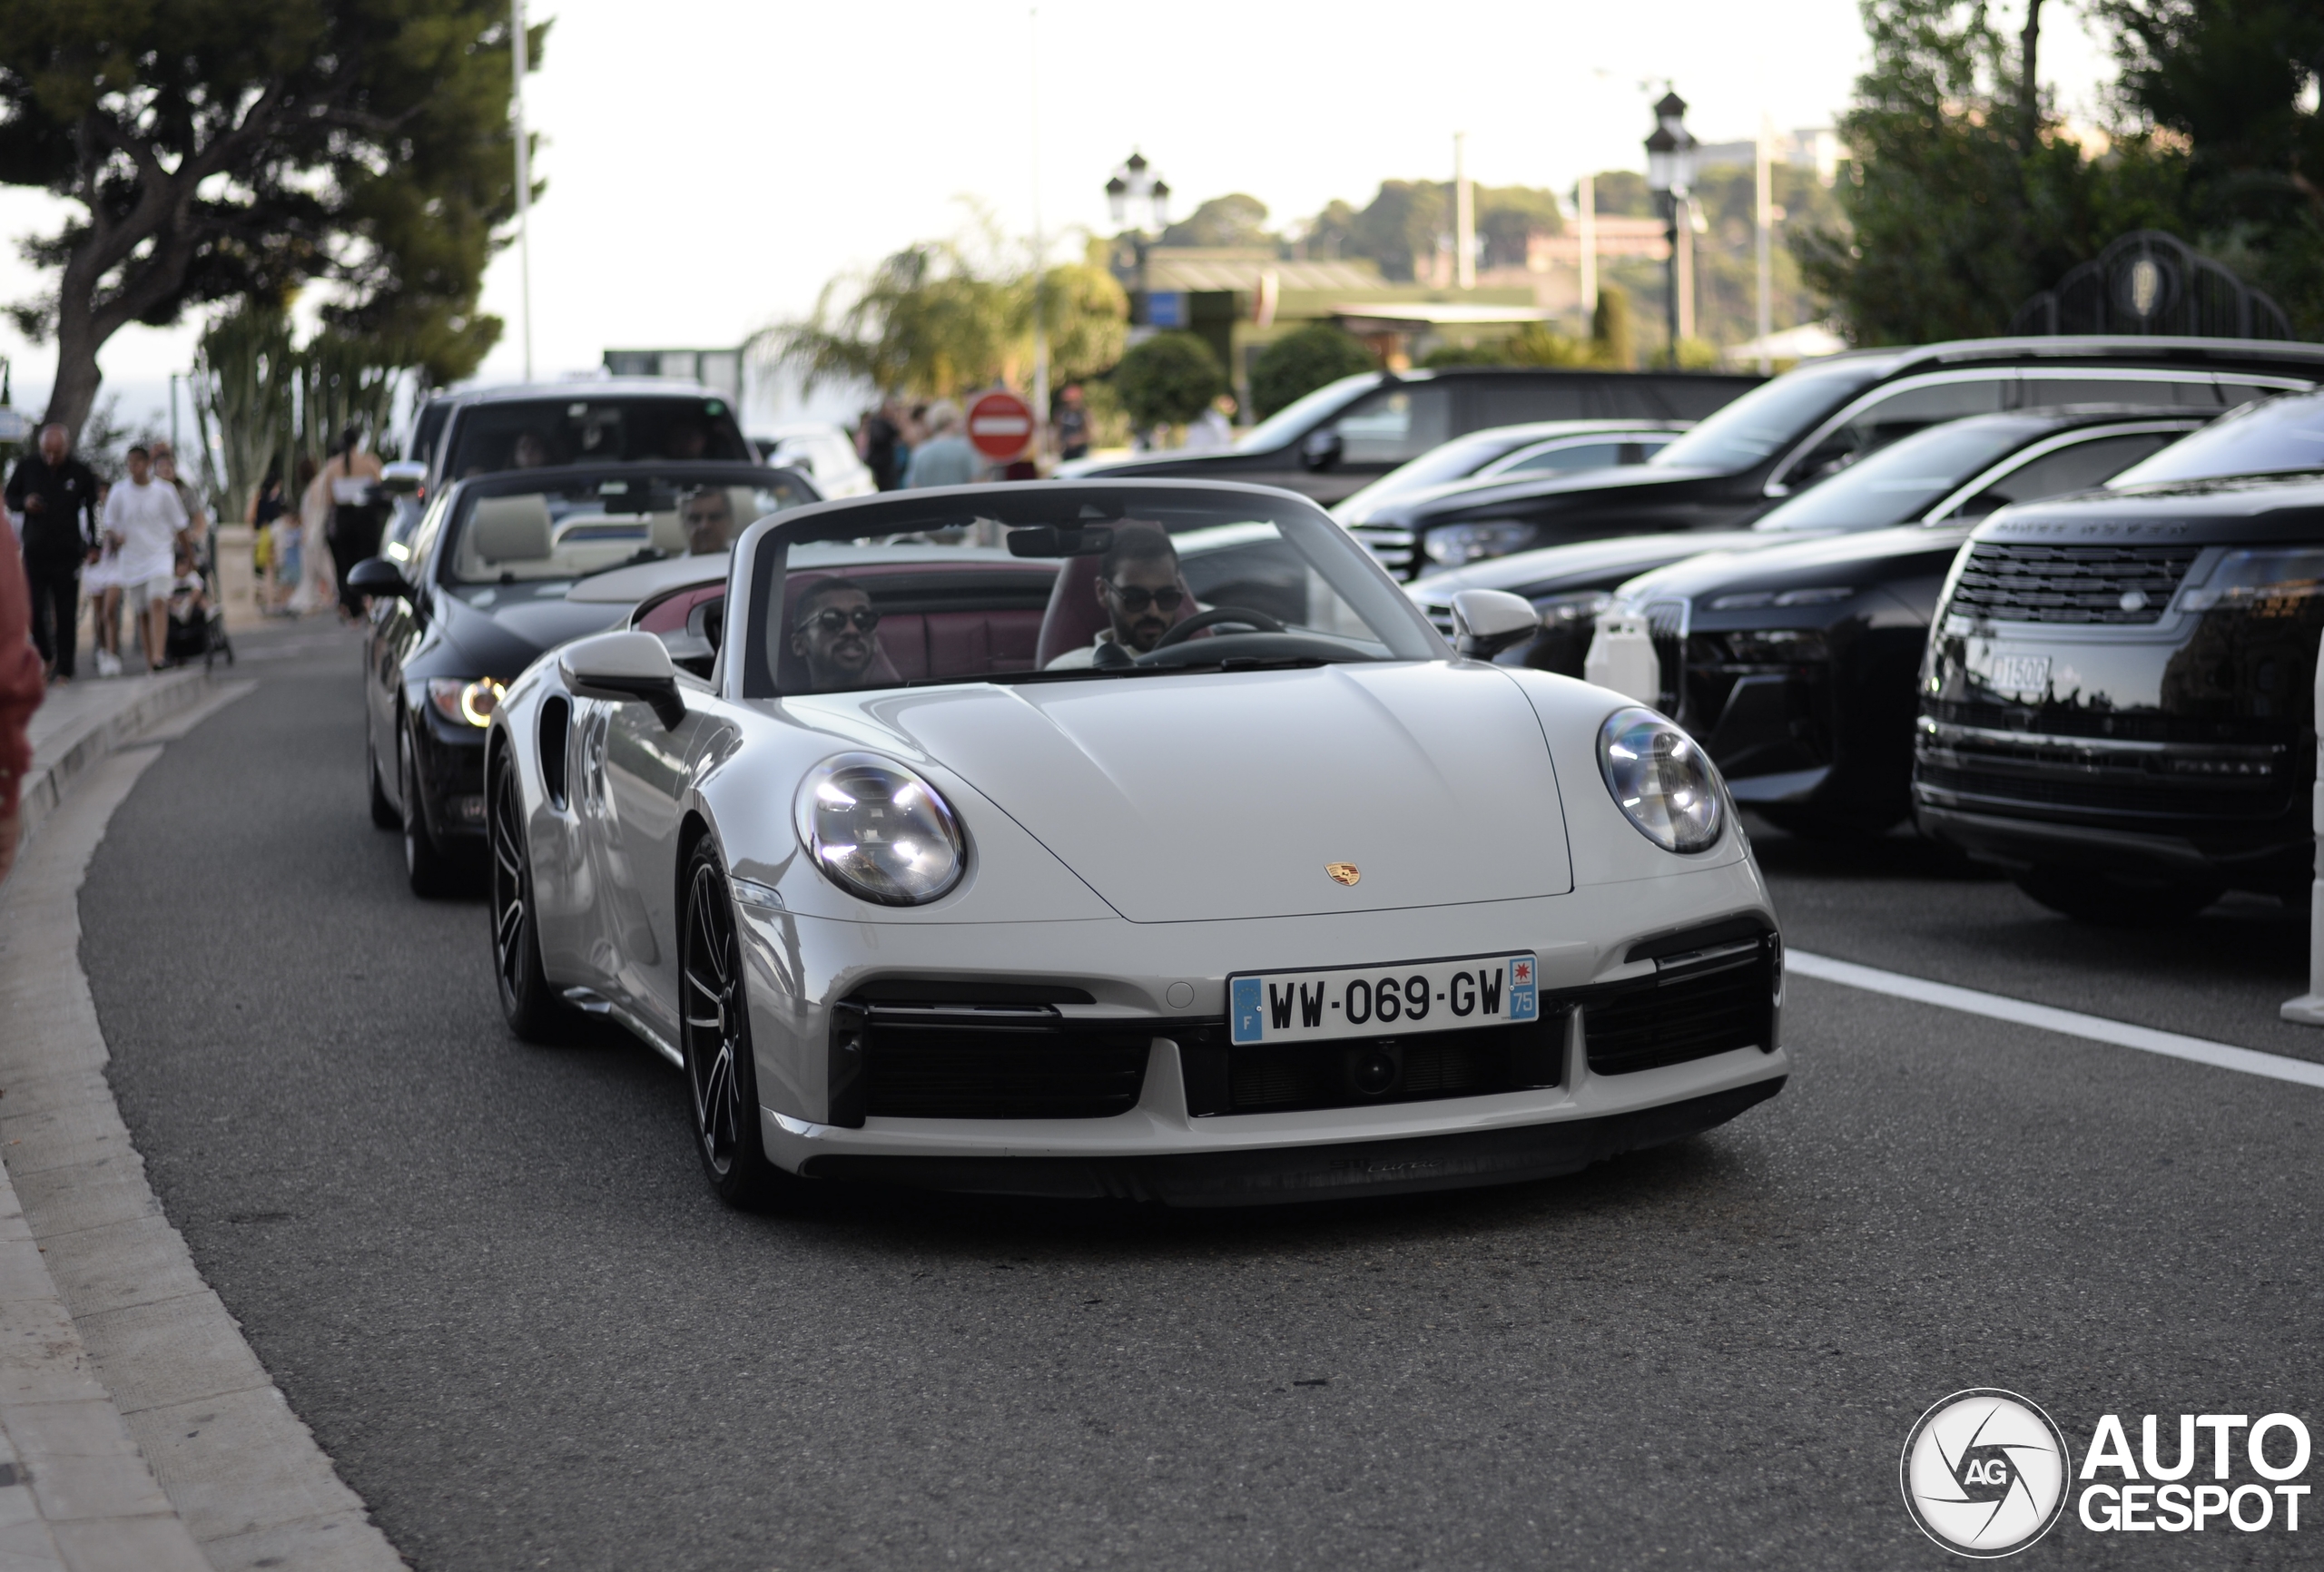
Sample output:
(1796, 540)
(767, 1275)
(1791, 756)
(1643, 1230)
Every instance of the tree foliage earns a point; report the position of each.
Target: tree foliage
(221, 151)
(1168, 379)
(2226, 79)
(938, 318)
(1951, 220)
(1298, 363)
(244, 374)
(1234, 220)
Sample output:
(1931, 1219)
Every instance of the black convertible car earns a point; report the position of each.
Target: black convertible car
(1781, 438)
(2118, 704)
(500, 569)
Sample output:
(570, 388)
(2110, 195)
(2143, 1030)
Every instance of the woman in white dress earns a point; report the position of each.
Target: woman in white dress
(100, 585)
(317, 582)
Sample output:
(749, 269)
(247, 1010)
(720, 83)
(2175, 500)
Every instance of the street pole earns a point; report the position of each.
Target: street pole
(1585, 201)
(174, 410)
(1764, 219)
(1671, 278)
(524, 181)
(1040, 263)
(1464, 216)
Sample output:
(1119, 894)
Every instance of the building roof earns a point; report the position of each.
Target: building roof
(1195, 268)
(1436, 313)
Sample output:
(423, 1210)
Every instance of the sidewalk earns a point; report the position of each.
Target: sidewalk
(138, 1431)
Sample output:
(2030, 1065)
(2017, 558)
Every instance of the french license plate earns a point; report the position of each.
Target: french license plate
(1430, 996)
(2018, 673)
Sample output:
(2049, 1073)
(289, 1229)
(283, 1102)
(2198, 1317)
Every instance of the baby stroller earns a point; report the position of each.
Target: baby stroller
(197, 622)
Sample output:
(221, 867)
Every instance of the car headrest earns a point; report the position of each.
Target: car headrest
(510, 528)
(1074, 614)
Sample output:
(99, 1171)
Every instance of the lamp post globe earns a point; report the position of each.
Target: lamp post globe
(1669, 174)
(1140, 201)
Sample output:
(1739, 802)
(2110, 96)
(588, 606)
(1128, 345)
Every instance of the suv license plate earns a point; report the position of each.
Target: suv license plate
(1371, 1001)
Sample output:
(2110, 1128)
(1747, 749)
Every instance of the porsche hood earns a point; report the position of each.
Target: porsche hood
(1194, 796)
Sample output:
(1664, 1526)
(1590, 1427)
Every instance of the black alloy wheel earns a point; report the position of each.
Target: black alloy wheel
(716, 1031)
(427, 867)
(534, 1009)
(383, 812)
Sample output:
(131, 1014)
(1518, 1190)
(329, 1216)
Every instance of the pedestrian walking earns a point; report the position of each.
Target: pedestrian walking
(353, 474)
(56, 496)
(1072, 423)
(21, 685)
(145, 521)
(945, 459)
(876, 438)
(316, 585)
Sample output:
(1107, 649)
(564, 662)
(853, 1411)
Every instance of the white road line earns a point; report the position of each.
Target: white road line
(2073, 1023)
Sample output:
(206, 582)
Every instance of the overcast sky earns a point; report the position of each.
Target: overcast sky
(711, 163)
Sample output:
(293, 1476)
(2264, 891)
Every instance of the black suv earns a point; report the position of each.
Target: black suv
(1807, 423)
(1343, 436)
(2117, 700)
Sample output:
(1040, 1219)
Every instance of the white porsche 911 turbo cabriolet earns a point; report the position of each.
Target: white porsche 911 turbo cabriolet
(1135, 839)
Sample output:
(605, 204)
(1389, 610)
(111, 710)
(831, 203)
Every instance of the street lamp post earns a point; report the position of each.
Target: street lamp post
(1671, 174)
(1134, 186)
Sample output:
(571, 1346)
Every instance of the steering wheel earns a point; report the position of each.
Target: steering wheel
(1194, 624)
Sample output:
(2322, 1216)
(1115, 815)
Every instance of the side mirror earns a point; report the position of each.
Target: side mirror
(404, 477)
(626, 665)
(1487, 622)
(378, 577)
(1322, 449)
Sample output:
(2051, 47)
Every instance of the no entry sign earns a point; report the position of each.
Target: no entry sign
(1000, 425)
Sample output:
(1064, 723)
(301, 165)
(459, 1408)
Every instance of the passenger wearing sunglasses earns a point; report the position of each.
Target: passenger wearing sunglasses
(832, 631)
(1138, 584)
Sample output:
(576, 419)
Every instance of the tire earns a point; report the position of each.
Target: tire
(2112, 902)
(427, 867)
(383, 812)
(534, 1009)
(714, 1027)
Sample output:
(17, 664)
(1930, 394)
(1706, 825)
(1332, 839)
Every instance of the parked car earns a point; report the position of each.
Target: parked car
(1959, 468)
(1795, 664)
(2118, 702)
(1537, 447)
(821, 450)
(908, 903)
(1351, 432)
(1813, 421)
(487, 583)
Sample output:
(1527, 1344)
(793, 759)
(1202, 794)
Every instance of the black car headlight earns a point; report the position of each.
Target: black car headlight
(466, 703)
(1662, 781)
(879, 832)
(1450, 545)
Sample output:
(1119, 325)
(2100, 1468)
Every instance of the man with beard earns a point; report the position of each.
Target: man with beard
(1137, 586)
(832, 631)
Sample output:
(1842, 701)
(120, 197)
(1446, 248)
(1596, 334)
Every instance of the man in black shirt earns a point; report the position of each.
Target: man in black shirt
(56, 496)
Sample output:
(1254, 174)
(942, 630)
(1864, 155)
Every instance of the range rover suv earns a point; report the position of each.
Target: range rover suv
(2117, 698)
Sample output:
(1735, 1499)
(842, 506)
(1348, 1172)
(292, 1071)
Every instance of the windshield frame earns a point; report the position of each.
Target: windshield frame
(762, 551)
(1841, 380)
(459, 501)
(1310, 410)
(2019, 430)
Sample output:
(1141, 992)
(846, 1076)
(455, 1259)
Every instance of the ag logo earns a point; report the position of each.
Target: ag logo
(1985, 1473)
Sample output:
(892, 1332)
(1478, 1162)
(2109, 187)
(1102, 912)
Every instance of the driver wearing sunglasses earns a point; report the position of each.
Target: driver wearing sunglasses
(1138, 584)
(833, 630)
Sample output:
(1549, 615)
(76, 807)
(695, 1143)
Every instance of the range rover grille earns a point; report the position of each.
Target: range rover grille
(2070, 584)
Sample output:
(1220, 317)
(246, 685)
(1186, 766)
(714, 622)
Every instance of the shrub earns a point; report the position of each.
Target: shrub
(1168, 379)
(1298, 363)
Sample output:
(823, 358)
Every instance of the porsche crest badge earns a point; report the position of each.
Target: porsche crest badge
(1342, 872)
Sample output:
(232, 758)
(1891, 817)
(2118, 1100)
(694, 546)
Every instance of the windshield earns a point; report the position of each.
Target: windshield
(571, 527)
(1904, 479)
(1752, 428)
(2280, 437)
(1137, 584)
(1294, 418)
(1455, 460)
(499, 434)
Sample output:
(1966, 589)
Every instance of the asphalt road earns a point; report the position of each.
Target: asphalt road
(490, 1279)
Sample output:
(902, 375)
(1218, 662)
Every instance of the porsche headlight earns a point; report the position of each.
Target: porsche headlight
(1662, 781)
(466, 703)
(879, 832)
